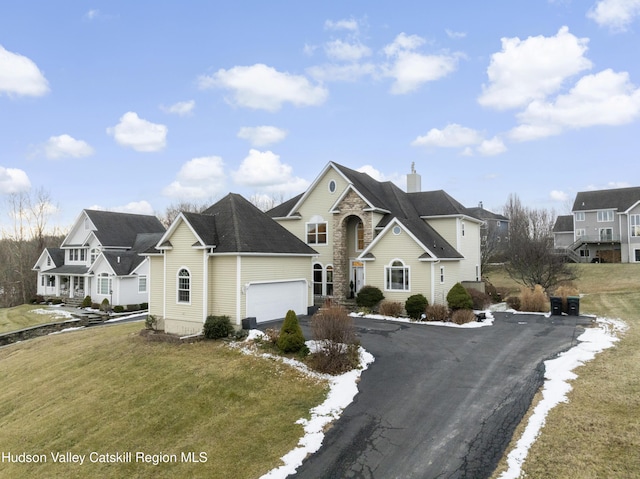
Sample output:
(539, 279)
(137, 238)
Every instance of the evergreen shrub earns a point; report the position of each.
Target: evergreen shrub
(459, 298)
(216, 327)
(369, 297)
(291, 339)
(416, 305)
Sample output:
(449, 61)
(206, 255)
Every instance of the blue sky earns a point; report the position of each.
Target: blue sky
(132, 106)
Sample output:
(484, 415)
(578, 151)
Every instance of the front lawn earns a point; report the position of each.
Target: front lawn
(23, 316)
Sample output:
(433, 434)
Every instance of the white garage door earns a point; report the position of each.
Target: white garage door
(267, 301)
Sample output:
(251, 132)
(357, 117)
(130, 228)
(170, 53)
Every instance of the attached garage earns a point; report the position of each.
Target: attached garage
(269, 301)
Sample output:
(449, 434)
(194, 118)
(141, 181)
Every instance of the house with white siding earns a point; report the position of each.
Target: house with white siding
(100, 257)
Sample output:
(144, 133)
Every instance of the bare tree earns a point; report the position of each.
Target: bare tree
(266, 202)
(174, 209)
(23, 242)
(530, 256)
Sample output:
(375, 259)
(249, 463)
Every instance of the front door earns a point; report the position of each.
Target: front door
(357, 275)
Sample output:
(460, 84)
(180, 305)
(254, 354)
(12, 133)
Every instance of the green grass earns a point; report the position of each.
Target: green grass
(596, 434)
(19, 317)
(109, 390)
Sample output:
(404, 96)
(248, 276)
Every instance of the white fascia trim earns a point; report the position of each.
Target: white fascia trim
(314, 184)
(394, 221)
(334, 207)
(291, 280)
(279, 255)
(461, 216)
(173, 227)
(630, 207)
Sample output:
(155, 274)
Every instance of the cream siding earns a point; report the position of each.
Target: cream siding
(184, 318)
(404, 248)
(223, 286)
(470, 249)
(447, 228)
(155, 285)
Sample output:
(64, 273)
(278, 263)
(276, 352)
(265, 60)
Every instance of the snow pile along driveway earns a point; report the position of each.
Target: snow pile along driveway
(556, 387)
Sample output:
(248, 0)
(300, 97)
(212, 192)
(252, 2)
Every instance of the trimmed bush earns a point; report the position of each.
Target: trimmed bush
(463, 316)
(118, 309)
(144, 306)
(86, 302)
(133, 307)
(95, 306)
(216, 327)
(104, 306)
(369, 297)
(459, 298)
(416, 305)
(437, 312)
(291, 339)
(480, 300)
(391, 308)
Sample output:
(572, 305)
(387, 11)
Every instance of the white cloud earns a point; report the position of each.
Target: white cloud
(198, 178)
(139, 134)
(346, 51)
(349, 72)
(64, 146)
(263, 171)
(398, 179)
(492, 147)
(532, 69)
(13, 180)
(557, 195)
(604, 98)
(181, 108)
(451, 136)
(350, 25)
(92, 14)
(262, 135)
(411, 69)
(264, 88)
(615, 14)
(455, 35)
(137, 207)
(20, 76)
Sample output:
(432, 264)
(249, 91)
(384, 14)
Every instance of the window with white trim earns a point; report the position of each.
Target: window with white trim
(397, 276)
(329, 280)
(441, 274)
(104, 284)
(317, 279)
(317, 233)
(605, 216)
(142, 284)
(184, 286)
(606, 234)
(580, 232)
(635, 225)
(359, 236)
(579, 215)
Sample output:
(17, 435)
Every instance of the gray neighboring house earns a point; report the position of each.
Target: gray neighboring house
(604, 227)
(100, 257)
(494, 232)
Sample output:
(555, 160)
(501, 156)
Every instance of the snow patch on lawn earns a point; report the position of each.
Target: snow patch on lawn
(54, 312)
(342, 390)
(558, 372)
(474, 324)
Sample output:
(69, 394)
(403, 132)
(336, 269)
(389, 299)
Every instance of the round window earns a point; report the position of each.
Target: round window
(332, 186)
(397, 230)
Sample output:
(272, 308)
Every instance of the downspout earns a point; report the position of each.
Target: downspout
(205, 284)
(164, 285)
(238, 289)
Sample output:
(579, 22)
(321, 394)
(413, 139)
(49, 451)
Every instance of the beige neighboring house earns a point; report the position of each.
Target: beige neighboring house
(230, 260)
(373, 233)
(100, 257)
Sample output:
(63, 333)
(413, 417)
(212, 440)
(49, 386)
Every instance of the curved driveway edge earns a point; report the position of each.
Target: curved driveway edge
(440, 402)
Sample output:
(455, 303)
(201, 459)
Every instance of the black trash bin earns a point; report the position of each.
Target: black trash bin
(556, 305)
(249, 323)
(573, 305)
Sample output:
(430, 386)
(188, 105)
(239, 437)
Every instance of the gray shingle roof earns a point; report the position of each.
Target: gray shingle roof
(57, 255)
(234, 225)
(121, 229)
(563, 223)
(430, 238)
(620, 199)
(482, 214)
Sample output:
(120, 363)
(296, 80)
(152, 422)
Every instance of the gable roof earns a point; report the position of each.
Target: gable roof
(564, 224)
(57, 255)
(234, 225)
(620, 199)
(124, 262)
(480, 213)
(115, 229)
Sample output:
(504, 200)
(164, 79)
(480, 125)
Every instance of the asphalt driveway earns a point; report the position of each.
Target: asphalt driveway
(439, 402)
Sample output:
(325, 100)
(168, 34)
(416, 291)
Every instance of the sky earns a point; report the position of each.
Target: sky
(135, 106)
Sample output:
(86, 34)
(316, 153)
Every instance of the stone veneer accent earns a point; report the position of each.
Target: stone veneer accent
(351, 205)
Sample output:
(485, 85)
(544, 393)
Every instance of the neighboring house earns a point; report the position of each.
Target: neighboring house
(372, 233)
(100, 257)
(604, 227)
(230, 260)
(494, 232)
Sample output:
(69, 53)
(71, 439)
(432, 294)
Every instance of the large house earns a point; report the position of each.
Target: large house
(604, 227)
(100, 257)
(345, 231)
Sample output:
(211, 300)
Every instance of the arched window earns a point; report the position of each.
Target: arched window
(317, 279)
(184, 286)
(396, 276)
